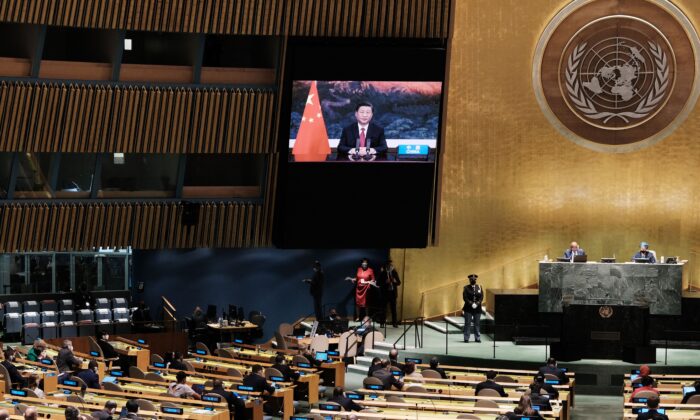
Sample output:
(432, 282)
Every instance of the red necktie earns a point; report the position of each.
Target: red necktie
(362, 137)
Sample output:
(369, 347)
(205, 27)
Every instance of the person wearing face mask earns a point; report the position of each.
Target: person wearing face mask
(89, 376)
(66, 360)
(472, 295)
(16, 379)
(107, 348)
(390, 282)
(363, 281)
(644, 253)
(316, 289)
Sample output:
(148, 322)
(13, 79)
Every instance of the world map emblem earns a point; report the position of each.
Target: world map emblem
(616, 75)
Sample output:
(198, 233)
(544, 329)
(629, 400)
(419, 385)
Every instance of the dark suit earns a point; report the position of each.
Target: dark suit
(389, 282)
(15, 376)
(288, 374)
(373, 368)
(235, 405)
(90, 378)
(647, 254)
(316, 290)
(346, 403)
(651, 415)
(374, 138)
(66, 360)
(441, 371)
(472, 294)
(490, 385)
(101, 415)
(387, 379)
(258, 383)
(568, 253)
(553, 370)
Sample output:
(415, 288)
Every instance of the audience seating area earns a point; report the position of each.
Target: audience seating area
(26, 321)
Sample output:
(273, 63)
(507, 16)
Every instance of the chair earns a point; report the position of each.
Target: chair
(103, 313)
(188, 366)
(488, 392)
(30, 393)
(234, 372)
(85, 315)
(468, 416)
(119, 302)
(347, 344)
(30, 306)
(86, 328)
(417, 388)
(201, 346)
(285, 329)
(486, 404)
(30, 328)
(432, 374)
(258, 320)
(20, 409)
(136, 373)
(31, 318)
(695, 399)
(102, 303)
(49, 305)
(371, 380)
(281, 343)
(5, 376)
(13, 323)
(551, 377)
(111, 386)
(272, 372)
(334, 404)
(12, 307)
(65, 305)
(146, 405)
(227, 353)
(67, 329)
(372, 338)
(298, 358)
(66, 315)
(503, 378)
(49, 316)
(48, 329)
(395, 399)
(319, 343)
(156, 358)
(152, 376)
(75, 399)
(251, 314)
(121, 321)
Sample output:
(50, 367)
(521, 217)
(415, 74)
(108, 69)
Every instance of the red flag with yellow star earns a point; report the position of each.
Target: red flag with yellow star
(312, 138)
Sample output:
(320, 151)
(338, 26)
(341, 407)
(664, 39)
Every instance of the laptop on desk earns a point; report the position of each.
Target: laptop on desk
(641, 260)
(581, 258)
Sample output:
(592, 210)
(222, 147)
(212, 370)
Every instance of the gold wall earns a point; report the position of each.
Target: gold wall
(513, 188)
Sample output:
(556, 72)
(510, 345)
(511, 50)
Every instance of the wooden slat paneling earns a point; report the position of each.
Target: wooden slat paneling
(57, 117)
(348, 18)
(146, 225)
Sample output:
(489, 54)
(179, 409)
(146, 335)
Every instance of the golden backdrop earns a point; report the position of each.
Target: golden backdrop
(513, 188)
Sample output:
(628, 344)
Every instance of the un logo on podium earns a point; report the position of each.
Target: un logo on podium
(617, 82)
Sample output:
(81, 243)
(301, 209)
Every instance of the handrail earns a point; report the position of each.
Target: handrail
(417, 339)
(169, 311)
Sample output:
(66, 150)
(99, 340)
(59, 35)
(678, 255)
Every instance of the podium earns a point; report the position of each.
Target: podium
(591, 331)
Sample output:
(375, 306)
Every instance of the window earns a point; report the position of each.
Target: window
(40, 273)
(85, 267)
(63, 283)
(76, 173)
(5, 173)
(113, 272)
(139, 175)
(33, 176)
(223, 175)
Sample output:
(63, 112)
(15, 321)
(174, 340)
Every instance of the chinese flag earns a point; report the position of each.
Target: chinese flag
(312, 139)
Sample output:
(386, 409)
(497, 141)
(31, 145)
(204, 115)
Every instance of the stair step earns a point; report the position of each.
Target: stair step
(435, 326)
(455, 321)
(363, 361)
(359, 369)
(377, 353)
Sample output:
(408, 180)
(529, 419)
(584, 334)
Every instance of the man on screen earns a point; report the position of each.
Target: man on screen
(362, 137)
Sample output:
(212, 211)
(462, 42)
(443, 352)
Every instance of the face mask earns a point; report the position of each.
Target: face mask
(472, 282)
(364, 265)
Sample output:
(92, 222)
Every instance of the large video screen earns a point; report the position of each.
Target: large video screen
(364, 121)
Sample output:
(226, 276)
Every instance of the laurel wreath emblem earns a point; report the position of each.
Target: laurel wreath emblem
(645, 107)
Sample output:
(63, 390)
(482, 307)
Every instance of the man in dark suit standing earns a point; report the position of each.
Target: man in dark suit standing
(359, 136)
(316, 289)
(389, 281)
(472, 295)
(490, 384)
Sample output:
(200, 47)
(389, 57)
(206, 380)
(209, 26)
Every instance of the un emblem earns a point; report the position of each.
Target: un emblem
(617, 82)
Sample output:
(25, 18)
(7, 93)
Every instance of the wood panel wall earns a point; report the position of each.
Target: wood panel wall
(344, 18)
(146, 225)
(53, 117)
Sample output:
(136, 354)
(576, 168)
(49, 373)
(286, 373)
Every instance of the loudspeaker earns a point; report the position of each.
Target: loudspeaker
(639, 354)
(190, 213)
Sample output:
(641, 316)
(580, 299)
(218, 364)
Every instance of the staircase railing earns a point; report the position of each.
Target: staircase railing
(417, 325)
